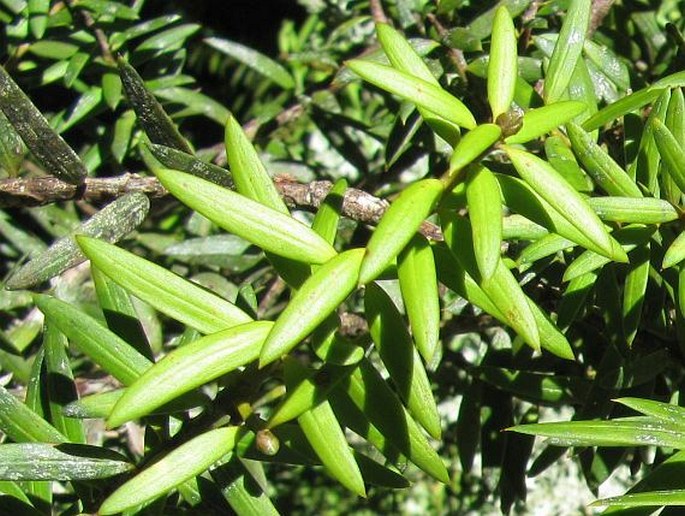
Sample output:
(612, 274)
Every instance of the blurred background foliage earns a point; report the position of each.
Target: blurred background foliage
(311, 120)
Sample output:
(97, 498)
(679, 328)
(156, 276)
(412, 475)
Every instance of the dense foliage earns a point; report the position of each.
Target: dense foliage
(389, 251)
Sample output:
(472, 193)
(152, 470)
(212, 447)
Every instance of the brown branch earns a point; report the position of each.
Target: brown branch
(377, 11)
(600, 10)
(454, 54)
(357, 204)
(99, 34)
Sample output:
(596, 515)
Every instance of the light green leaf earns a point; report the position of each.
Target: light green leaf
(398, 225)
(40, 461)
(621, 107)
(671, 152)
(164, 290)
(485, 212)
(325, 436)
(608, 174)
(328, 215)
(105, 348)
(313, 303)
(188, 367)
(419, 287)
(547, 183)
(272, 230)
(567, 49)
(403, 57)
(185, 462)
(255, 60)
(644, 210)
(396, 349)
(249, 174)
(21, 424)
(675, 252)
(470, 147)
(628, 431)
(423, 94)
(657, 498)
(502, 65)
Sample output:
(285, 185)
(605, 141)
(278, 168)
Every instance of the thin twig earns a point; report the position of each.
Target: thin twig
(377, 11)
(600, 10)
(99, 34)
(455, 55)
(357, 204)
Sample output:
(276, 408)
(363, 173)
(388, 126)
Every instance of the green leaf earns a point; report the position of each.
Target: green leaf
(398, 225)
(470, 147)
(485, 212)
(608, 175)
(536, 387)
(540, 121)
(179, 160)
(520, 197)
(112, 223)
(111, 89)
(100, 404)
(501, 289)
(325, 436)
(547, 183)
(249, 174)
(372, 395)
(243, 493)
(253, 59)
(567, 49)
(403, 57)
(396, 349)
(185, 462)
(675, 252)
(502, 65)
(671, 152)
(608, 63)
(164, 290)
(328, 215)
(657, 498)
(634, 291)
(665, 411)
(53, 153)
(197, 103)
(628, 431)
(151, 115)
(81, 108)
(40, 461)
(629, 238)
(644, 210)
(423, 94)
(313, 388)
(38, 16)
(188, 367)
(170, 39)
(21, 424)
(105, 348)
(621, 107)
(60, 384)
(272, 230)
(419, 287)
(313, 303)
